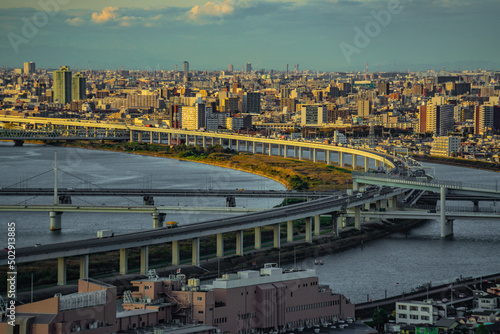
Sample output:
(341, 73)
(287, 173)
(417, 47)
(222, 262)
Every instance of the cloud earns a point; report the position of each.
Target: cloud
(107, 14)
(213, 9)
(75, 21)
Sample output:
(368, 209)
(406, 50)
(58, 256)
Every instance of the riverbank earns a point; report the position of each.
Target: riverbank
(467, 163)
(293, 174)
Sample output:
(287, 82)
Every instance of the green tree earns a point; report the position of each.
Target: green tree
(379, 318)
(481, 329)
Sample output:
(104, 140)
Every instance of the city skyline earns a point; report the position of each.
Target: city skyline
(341, 35)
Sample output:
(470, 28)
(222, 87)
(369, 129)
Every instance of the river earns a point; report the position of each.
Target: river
(389, 266)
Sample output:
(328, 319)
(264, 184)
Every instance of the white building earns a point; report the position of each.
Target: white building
(414, 312)
(313, 115)
(193, 118)
(445, 145)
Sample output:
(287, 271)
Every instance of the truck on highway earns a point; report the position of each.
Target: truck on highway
(171, 224)
(104, 234)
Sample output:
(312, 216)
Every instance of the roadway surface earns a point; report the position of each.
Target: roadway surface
(327, 205)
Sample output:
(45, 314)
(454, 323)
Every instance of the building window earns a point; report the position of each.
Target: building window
(200, 312)
(199, 298)
(424, 309)
(402, 316)
(414, 316)
(413, 308)
(424, 317)
(402, 307)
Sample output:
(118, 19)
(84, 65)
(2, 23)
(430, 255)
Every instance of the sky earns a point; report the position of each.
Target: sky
(319, 35)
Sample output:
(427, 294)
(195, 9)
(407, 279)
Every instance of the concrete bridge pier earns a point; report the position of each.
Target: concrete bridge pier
(203, 141)
(270, 149)
(195, 257)
(253, 148)
(239, 243)
(55, 220)
(300, 153)
(314, 155)
(354, 161)
(61, 271)
(377, 163)
(308, 230)
(446, 224)
(220, 245)
(476, 206)
(258, 237)
(18, 142)
(357, 220)
(175, 253)
(139, 137)
(367, 164)
(123, 261)
(131, 138)
(144, 260)
(392, 202)
(341, 159)
(276, 236)
(84, 266)
(317, 225)
(289, 231)
(285, 153)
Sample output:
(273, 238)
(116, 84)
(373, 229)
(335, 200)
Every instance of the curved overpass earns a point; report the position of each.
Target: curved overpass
(100, 130)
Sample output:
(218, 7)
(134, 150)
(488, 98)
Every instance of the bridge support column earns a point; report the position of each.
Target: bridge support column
(308, 230)
(18, 142)
(316, 225)
(314, 155)
(354, 161)
(367, 164)
(144, 260)
(195, 248)
(169, 138)
(476, 206)
(285, 153)
(175, 253)
(270, 149)
(383, 203)
(55, 220)
(258, 237)
(300, 153)
(341, 159)
(355, 185)
(357, 220)
(204, 141)
(253, 147)
(237, 145)
(335, 225)
(84, 266)
(220, 245)
(246, 145)
(289, 231)
(392, 202)
(139, 137)
(446, 225)
(239, 243)
(151, 137)
(156, 220)
(123, 261)
(276, 236)
(377, 163)
(61, 271)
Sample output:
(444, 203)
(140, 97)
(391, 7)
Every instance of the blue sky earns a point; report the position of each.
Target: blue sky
(322, 35)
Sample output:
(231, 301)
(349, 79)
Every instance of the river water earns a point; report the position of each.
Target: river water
(389, 266)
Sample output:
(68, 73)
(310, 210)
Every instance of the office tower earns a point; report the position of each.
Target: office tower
(185, 66)
(439, 118)
(285, 93)
(193, 118)
(62, 85)
(251, 103)
(79, 87)
(313, 115)
(483, 118)
(29, 68)
(422, 118)
(231, 104)
(487, 91)
(230, 68)
(249, 68)
(383, 88)
(290, 104)
(364, 108)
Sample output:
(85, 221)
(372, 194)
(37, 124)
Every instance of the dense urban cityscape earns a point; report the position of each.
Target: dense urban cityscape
(249, 167)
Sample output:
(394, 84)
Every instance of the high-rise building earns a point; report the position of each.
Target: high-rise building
(231, 104)
(483, 118)
(79, 87)
(193, 118)
(29, 68)
(62, 85)
(249, 68)
(383, 88)
(289, 104)
(439, 118)
(313, 115)
(422, 118)
(185, 66)
(364, 108)
(230, 68)
(251, 103)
